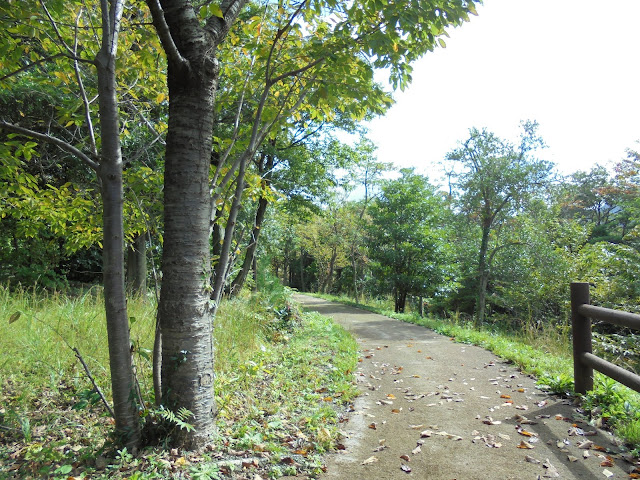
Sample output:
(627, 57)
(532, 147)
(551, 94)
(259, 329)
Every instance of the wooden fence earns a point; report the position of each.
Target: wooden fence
(584, 361)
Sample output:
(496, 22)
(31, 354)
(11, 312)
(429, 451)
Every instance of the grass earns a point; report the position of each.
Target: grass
(282, 380)
(546, 353)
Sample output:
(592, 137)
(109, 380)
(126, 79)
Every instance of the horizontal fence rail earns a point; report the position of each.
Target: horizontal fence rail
(584, 361)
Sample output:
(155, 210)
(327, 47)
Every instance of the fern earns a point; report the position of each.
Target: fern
(178, 418)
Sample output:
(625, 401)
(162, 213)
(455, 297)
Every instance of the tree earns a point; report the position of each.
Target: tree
(104, 156)
(405, 244)
(387, 35)
(495, 180)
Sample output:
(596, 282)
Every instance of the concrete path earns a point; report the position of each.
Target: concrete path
(435, 409)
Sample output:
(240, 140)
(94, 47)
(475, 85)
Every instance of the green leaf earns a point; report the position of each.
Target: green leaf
(210, 10)
(15, 317)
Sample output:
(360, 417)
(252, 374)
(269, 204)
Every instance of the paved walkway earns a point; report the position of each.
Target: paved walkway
(435, 409)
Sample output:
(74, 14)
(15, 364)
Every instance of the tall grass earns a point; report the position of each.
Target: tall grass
(277, 374)
(37, 347)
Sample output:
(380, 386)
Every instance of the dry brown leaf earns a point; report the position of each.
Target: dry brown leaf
(531, 459)
(526, 433)
(585, 445)
(405, 458)
(525, 445)
(370, 460)
(608, 462)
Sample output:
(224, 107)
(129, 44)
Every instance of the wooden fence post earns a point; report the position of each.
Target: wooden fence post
(581, 328)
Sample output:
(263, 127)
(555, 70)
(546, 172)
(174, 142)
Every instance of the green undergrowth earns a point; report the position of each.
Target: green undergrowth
(282, 381)
(545, 354)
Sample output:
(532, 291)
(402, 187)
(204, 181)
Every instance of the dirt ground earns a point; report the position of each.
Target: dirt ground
(435, 409)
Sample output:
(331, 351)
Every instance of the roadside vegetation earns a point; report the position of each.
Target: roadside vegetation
(544, 353)
(283, 380)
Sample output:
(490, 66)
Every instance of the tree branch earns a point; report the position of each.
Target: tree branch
(170, 48)
(54, 141)
(219, 27)
(83, 93)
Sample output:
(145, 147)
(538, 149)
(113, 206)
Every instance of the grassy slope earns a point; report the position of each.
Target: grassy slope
(282, 380)
(547, 355)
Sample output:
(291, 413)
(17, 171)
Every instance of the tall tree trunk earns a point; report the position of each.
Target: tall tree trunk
(255, 273)
(110, 173)
(184, 310)
(222, 267)
(265, 167)
(332, 262)
(249, 257)
(483, 274)
(302, 285)
(137, 266)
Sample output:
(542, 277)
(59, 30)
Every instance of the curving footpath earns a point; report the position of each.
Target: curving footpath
(435, 409)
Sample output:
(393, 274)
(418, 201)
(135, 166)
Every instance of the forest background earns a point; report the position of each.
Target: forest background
(275, 179)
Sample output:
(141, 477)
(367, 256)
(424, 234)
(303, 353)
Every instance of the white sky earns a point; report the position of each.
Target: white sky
(571, 65)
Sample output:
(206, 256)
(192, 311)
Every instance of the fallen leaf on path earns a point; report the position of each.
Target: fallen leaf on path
(607, 473)
(396, 410)
(525, 433)
(373, 426)
(608, 462)
(531, 459)
(391, 396)
(585, 445)
(571, 458)
(491, 421)
(551, 471)
(426, 434)
(525, 445)
(405, 458)
(405, 468)
(521, 419)
(416, 427)
(416, 450)
(370, 460)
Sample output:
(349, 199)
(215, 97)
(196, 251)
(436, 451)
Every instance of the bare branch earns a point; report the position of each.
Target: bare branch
(83, 93)
(52, 140)
(36, 63)
(63, 43)
(93, 382)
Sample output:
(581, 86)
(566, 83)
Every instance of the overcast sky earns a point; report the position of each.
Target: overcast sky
(571, 65)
